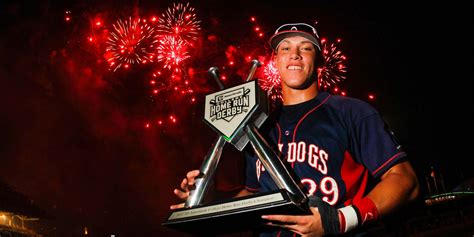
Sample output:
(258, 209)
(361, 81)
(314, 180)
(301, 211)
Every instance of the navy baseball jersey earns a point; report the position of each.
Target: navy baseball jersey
(332, 143)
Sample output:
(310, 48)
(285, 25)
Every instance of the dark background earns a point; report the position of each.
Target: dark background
(72, 140)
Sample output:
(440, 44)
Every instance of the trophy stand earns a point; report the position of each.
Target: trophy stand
(236, 114)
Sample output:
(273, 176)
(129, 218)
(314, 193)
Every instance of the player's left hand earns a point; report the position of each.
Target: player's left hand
(306, 226)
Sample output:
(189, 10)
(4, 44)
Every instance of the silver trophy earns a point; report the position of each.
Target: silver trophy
(236, 114)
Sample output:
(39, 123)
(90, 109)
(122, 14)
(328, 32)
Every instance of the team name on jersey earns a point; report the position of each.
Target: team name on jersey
(300, 152)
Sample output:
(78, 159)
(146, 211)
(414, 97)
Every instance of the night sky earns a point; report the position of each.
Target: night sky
(73, 135)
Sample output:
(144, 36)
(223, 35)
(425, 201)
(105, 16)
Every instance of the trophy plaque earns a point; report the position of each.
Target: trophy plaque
(236, 114)
(233, 215)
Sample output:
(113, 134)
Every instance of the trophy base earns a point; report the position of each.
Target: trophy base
(239, 214)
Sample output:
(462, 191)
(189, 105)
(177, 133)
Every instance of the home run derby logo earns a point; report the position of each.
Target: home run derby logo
(226, 105)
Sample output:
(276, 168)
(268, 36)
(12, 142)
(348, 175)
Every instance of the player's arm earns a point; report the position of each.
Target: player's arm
(398, 186)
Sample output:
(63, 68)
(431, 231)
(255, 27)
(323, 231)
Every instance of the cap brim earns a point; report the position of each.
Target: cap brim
(277, 38)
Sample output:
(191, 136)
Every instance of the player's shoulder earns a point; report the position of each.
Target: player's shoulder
(350, 106)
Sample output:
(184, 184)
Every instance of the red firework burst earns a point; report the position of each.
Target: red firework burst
(171, 51)
(180, 21)
(333, 69)
(271, 82)
(130, 42)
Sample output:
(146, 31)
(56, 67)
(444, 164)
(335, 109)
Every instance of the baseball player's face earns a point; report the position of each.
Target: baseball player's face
(295, 60)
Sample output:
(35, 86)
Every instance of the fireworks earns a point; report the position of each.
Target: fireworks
(333, 69)
(164, 42)
(130, 42)
(179, 28)
(271, 82)
(171, 51)
(180, 21)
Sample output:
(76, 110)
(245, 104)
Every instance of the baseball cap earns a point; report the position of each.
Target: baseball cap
(293, 29)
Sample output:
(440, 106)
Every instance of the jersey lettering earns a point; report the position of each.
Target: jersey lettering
(301, 152)
(328, 187)
(316, 158)
(323, 168)
(312, 154)
(291, 157)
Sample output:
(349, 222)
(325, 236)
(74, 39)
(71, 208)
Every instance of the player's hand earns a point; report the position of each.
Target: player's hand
(186, 185)
(306, 226)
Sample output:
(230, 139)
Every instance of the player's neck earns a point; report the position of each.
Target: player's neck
(296, 96)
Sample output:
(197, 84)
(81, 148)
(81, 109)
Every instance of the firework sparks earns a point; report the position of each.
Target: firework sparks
(130, 42)
(127, 42)
(178, 92)
(67, 16)
(334, 69)
(180, 21)
(171, 51)
(271, 81)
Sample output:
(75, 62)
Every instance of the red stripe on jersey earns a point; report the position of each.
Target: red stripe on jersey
(387, 162)
(304, 116)
(355, 177)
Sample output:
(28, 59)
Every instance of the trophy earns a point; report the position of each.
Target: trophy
(236, 114)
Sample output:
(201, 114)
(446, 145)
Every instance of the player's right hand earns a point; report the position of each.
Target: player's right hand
(186, 185)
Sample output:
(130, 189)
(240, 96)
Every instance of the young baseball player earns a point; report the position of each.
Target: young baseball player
(335, 146)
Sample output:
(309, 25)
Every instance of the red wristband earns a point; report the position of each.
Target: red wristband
(367, 210)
